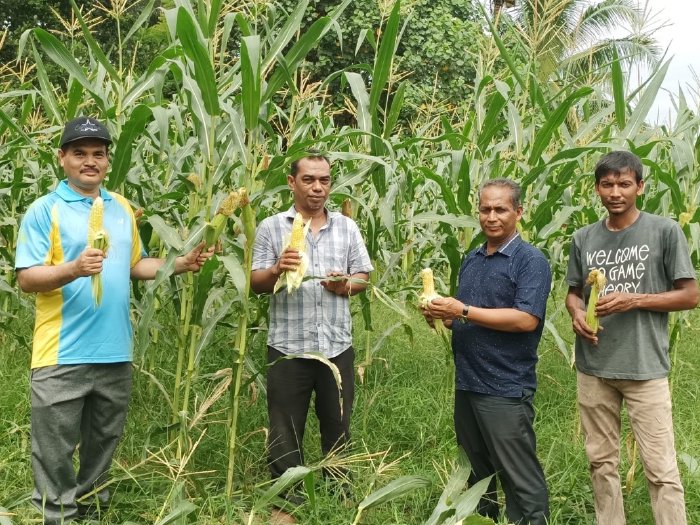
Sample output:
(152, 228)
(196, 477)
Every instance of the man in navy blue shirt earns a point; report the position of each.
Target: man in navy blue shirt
(497, 318)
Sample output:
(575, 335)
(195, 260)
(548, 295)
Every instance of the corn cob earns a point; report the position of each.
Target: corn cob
(597, 281)
(424, 300)
(292, 279)
(235, 200)
(97, 238)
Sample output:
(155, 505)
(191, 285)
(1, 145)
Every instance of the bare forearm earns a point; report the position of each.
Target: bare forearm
(503, 319)
(263, 281)
(147, 268)
(671, 301)
(574, 301)
(46, 278)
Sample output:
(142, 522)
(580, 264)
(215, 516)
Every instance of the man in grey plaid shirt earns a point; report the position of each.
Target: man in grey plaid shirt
(314, 318)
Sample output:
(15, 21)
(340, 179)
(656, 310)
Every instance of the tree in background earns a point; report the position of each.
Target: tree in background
(578, 38)
(436, 54)
(108, 19)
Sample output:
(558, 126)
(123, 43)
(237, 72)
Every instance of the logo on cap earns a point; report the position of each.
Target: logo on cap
(87, 126)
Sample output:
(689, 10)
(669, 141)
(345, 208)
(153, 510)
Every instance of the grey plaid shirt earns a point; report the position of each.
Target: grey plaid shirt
(312, 319)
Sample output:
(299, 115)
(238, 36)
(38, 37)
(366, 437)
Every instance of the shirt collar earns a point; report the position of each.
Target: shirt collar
(507, 249)
(68, 194)
(330, 215)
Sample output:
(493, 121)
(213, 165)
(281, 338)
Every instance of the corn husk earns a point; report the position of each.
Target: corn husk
(424, 300)
(97, 238)
(292, 279)
(597, 281)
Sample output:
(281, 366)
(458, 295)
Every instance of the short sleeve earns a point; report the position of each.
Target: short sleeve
(263, 252)
(34, 238)
(359, 261)
(573, 271)
(676, 255)
(534, 282)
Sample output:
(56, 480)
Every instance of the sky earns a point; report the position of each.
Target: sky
(680, 35)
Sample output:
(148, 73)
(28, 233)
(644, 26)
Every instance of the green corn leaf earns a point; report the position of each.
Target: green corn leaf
(546, 132)
(131, 131)
(646, 101)
(283, 37)
(618, 89)
(142, 19)
(357, 86)
(397, 488)
(296, 54)
(195, 49)
(64, 58)
(385, 57)
(250, 86)
(93, 45)
(290, 477)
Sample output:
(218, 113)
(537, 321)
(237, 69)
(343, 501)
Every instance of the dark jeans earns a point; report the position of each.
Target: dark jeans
(290, 383)
(497, 435)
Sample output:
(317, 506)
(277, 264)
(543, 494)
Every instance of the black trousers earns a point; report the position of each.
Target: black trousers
(497, 435)
(290, 383)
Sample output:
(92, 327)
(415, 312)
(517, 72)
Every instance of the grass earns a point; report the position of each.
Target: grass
(402, 425)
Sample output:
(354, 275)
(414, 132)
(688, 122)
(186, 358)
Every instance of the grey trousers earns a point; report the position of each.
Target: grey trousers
(74, 404)
(497, 435)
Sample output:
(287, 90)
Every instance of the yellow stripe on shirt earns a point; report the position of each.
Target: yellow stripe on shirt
(49, 305)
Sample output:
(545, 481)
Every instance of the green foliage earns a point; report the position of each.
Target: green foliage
(436, 55)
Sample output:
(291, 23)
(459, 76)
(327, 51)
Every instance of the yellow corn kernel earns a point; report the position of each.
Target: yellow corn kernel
(292, 279)
(597, 281)
(97, 238)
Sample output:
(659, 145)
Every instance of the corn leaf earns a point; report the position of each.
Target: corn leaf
(397, 488)
(131, 131)
(250, 74)
(197, 52)
(385, 57)
(64, 58)
(290, 477)
(618, 89)
(96, 50)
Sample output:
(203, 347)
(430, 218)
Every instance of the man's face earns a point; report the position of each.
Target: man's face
(618, 192)
(85, 164)
(311, 185)
(497, 215)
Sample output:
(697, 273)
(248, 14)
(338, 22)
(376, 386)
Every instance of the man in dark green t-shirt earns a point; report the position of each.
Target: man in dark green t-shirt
(648, 273)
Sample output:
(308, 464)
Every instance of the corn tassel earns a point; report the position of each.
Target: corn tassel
(597, 281)
(97, 238)
(426, 298)
(292, 279)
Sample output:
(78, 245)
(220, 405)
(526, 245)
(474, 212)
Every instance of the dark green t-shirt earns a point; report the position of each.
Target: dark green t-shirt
(647, 257)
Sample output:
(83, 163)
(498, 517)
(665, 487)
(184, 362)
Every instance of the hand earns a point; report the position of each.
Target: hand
(445, 308)
(289, 260)
(580, 327)
(340, 287)
(615, 302)
(89, 262)
(193, 261)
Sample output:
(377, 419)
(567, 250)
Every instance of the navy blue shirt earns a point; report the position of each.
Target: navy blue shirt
(490, 361)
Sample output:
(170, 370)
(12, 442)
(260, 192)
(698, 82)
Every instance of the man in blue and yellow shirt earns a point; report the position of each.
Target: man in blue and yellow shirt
(81, 358)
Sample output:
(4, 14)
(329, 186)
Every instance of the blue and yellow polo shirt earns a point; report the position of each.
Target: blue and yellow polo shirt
(69, 328)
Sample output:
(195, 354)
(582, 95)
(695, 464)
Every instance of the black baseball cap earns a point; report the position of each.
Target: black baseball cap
(84, 128)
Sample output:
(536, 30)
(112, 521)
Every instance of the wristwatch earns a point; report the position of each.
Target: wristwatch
(465, 313)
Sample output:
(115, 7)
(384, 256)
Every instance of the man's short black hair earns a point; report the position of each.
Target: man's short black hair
(616, 162)
(513, 186)
(312, 154)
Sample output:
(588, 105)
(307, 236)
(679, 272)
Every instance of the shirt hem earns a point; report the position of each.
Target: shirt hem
(603, 374)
